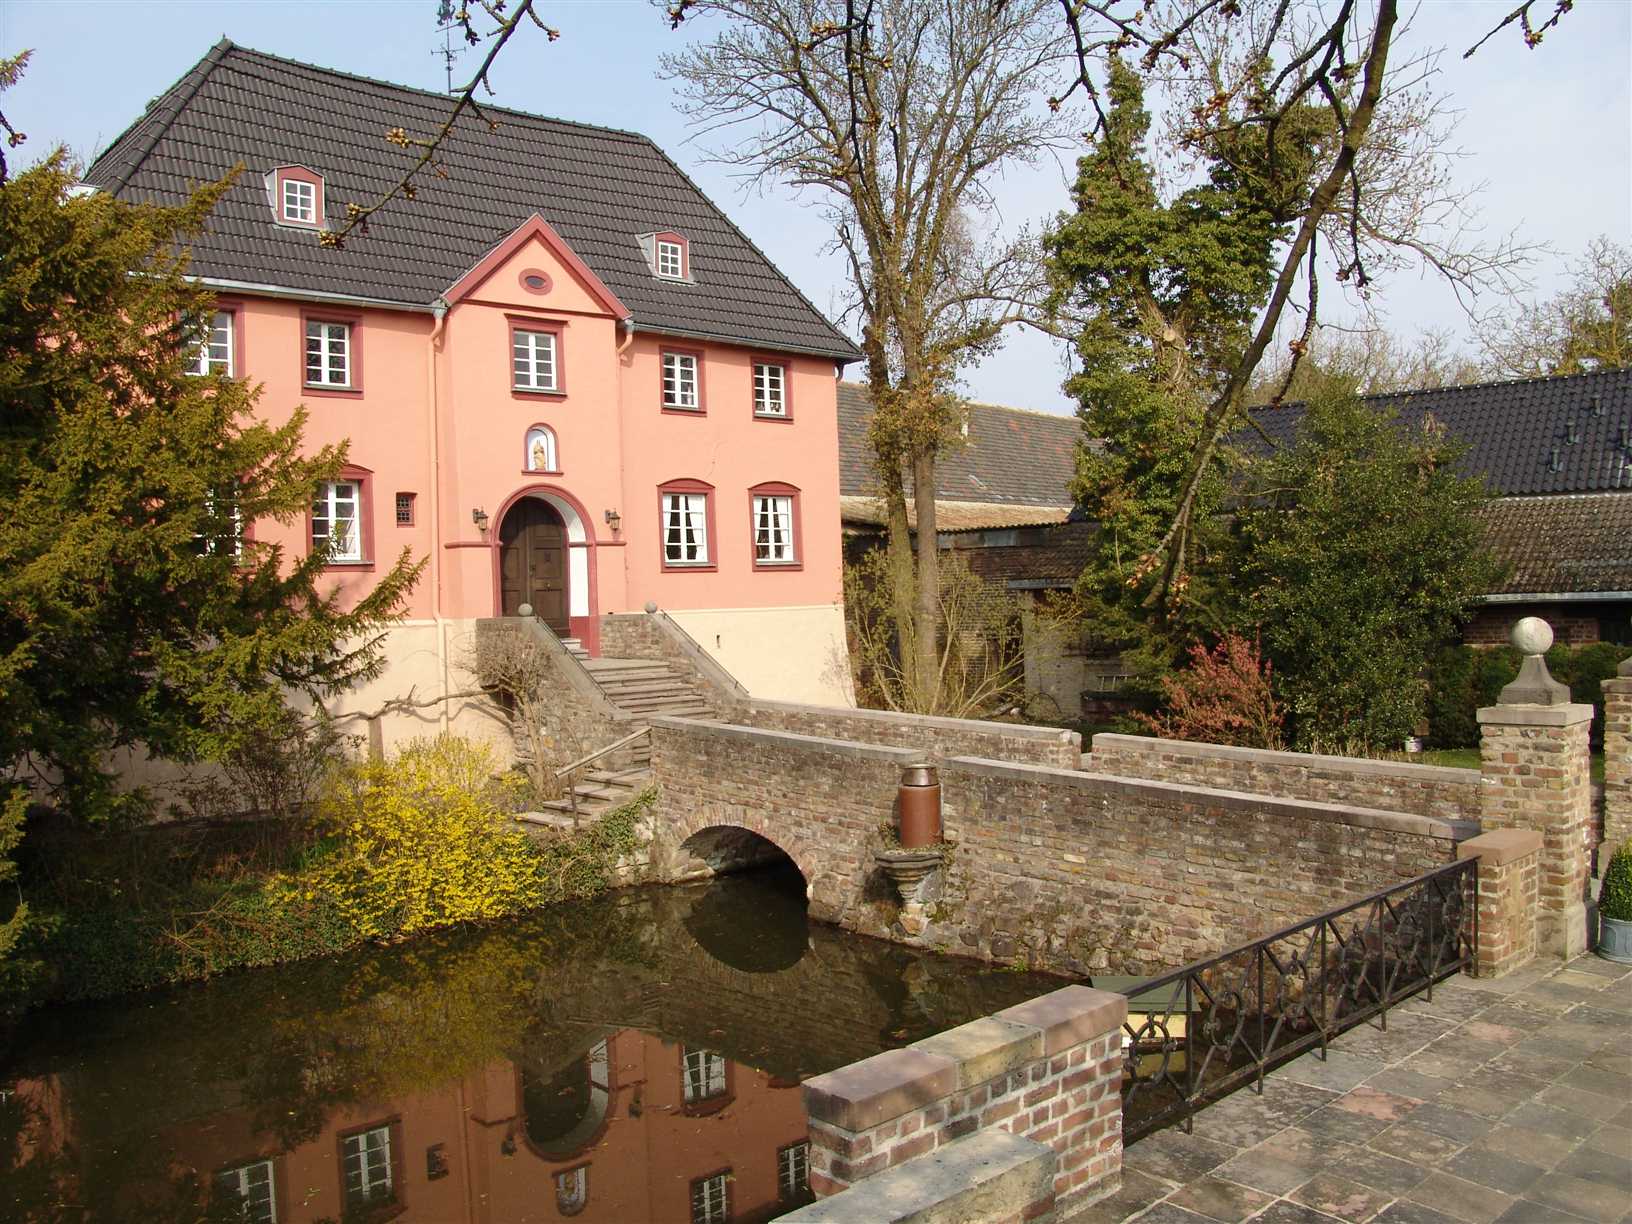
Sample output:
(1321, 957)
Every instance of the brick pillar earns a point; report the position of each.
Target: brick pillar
(1048, 1071)
(1618, 758)
(1509, 890)
(1535, 773)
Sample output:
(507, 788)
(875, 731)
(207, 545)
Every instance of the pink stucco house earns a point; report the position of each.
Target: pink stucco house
(567, 379)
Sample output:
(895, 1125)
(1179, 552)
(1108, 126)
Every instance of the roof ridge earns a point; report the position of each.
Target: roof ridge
(974, 403)
(432, 93)
(1385, 396)
(163, 113)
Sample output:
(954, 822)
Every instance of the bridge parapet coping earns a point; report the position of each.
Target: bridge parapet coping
(790, 739)
(1048, 1071)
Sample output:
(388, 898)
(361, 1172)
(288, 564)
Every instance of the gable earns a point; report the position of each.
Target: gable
(533, 269)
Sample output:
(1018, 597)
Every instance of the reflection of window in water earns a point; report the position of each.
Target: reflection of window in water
(572, 1190)
(253, 1186)
(793, 1171)
(565, 1111)
(704, 1075)
(366, 1161)
(711, 1199)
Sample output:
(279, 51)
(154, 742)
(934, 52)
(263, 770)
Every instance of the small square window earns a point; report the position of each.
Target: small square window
(405, 509)
(680, 388)
(299, 202)
(671, 259)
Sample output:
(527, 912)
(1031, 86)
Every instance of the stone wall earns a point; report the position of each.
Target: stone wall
(579, 718)
(1060, 869)
(936, 738)
(1048, 1071)
(1617, 761)
(652, 635)
(1427, 790)
(1509, 889)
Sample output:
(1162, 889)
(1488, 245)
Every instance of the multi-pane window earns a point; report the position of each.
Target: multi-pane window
(328, 354)
(680, 381)
(671, 259)
(793, 1171)
(252, 1185)
(711, 1199)
(365, 1163)
(299, 202)
(211, 347)
(773, 530)
(685, 528)
(533, 360)
(223, 531)
(702, 1075)
(770, 389)
(405, 509)
(335, 520)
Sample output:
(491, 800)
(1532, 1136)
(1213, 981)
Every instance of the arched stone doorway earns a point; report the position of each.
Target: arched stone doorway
(533, 563)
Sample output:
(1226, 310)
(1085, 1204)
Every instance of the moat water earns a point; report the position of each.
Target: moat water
(635, 1059)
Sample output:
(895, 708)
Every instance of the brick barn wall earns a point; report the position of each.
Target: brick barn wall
(1426, 790)
(1573, 625)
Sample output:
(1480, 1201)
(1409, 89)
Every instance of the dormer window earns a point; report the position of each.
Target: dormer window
(668, 255)
(296, 196)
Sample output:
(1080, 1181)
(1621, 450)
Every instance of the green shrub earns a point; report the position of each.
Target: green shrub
(1461, 679)
(1615, 897)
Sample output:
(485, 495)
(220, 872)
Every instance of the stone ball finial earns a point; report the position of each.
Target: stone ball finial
(1532, 635)
(525, 610)
(651, 605)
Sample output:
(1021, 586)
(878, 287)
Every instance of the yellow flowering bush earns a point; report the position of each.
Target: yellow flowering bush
(422, 840)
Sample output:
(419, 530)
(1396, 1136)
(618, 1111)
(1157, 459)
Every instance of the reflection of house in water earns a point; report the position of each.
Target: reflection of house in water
(635, 1129)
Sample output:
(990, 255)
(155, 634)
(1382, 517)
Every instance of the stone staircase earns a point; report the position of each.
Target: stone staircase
(648, 687)
(598, 791)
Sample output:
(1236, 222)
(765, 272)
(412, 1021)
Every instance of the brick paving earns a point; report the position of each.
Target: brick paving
(1498, 1100)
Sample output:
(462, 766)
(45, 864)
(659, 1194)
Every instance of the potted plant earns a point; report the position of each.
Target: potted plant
(1615, 907)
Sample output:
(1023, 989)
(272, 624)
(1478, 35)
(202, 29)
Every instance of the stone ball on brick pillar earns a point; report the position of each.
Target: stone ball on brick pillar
(1532, 635)
(651, 605)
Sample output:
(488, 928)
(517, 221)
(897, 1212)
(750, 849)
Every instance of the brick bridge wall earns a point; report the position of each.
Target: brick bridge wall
(1060, 869)
(938, 738)
(1427, 790)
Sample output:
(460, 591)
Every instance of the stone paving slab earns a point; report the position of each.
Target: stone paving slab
(1495, 1101)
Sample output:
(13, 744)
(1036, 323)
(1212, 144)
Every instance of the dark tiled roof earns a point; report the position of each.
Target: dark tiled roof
(597, 187)
(1519, 432)
(1012, 456)
(1572, 542)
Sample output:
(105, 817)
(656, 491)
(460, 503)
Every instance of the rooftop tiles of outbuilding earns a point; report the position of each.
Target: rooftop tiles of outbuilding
(1505, 1100)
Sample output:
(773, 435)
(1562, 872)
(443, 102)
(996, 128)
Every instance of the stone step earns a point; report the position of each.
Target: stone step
(653, 705)
(649, 688)
(604, 664)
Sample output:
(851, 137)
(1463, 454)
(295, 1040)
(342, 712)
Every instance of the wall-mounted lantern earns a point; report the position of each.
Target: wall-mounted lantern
(614, 520)
(479, 517)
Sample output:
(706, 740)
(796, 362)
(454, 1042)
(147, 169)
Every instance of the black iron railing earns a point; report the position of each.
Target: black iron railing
(1198, 1033)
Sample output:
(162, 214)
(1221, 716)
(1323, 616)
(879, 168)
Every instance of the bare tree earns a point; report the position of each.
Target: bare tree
(1371, 360)
(899, 113)
(521, 674)
(1587, 326)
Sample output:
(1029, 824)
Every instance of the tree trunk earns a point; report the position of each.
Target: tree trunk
(929, 586)
(903, 587)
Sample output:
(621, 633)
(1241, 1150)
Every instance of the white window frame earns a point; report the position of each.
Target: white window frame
(329, 500)
(298, 203)
(711, 1199)
(765, 404)
(703, 1075)
(773, 529)
(685, 514)
(237, 1181)
(211, 351)
(372, 1176)
(682, 385)
(670, 259)
(793, 1169)
(528, 360)
(212, 545)
(333, 354)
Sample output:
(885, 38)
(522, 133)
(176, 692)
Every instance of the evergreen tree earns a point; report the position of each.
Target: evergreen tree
(133, 608)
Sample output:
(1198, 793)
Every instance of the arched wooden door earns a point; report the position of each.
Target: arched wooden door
(533, 562)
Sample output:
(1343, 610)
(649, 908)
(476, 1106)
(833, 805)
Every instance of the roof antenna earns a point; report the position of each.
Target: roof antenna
(446, 23)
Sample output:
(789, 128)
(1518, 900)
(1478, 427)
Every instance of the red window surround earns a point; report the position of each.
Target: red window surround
(397, 1204)
(558, 329)
(776, 489)
(757, 359)
(702, 389)
(354, 352)
(300, 175)
(689, 486)
(685, 253)
(364, 479)
(405, 508)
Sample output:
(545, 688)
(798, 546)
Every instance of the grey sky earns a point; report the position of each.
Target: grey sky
(1549, 130)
